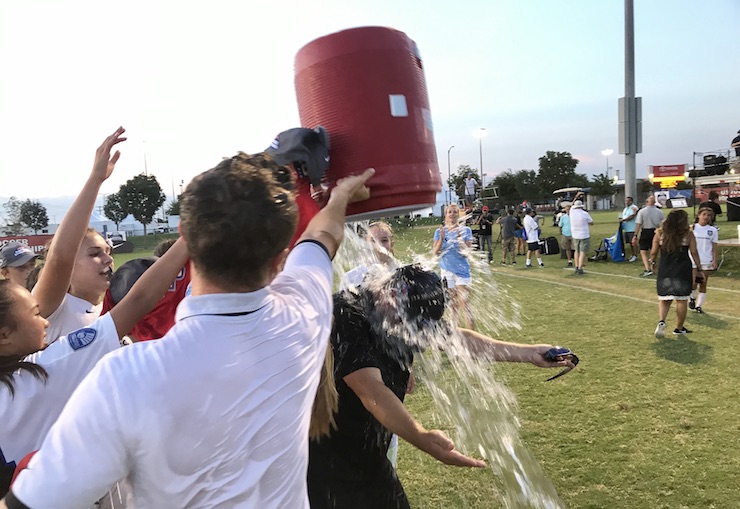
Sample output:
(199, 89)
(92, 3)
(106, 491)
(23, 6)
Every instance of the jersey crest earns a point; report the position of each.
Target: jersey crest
(81, 338)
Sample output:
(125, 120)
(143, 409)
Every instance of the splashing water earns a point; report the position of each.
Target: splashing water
(466, 394)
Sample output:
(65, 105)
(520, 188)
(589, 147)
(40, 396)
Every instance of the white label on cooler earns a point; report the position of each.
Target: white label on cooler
(398, 105)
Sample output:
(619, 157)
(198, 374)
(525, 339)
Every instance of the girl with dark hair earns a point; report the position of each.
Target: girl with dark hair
(674, 241)
(36, 379)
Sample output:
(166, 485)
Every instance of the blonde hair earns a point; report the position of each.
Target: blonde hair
(326, 402)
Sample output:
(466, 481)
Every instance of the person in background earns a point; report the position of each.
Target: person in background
(469, 185)
(674, 241)
(485, 232)
(79, 264)
(579, 227)
(452, 242)
(566, 241)
(712, 204)
(17, 261)
(706, 237)
(648, 219)
(380, 237)
(628, 222)
(509, 227)
(533, 240)
(521, 234)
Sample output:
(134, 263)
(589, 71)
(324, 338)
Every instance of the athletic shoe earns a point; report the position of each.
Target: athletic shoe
(514, 262)
(502, 263)
(692, 303)
(570, 264)
(633, 258)
(579, 271)
(542, 265)
(699, 310)
(682, 330)
(660, 330)
(647, 273)
(528, 266)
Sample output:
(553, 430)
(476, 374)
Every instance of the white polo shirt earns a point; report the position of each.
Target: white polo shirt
(532, 229)
(28, 416)
(215, 414)
(579, 221)
(72, 314)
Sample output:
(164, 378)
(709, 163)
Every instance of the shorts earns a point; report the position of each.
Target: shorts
(582, 245)
(646, 239)
(567, 243)
(519, 234)
(628, 237)
(533, 246)
(453, 280)
(706, 267)
(509, 245)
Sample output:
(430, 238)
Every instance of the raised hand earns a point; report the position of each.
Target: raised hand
(355, 186)
(104, 163)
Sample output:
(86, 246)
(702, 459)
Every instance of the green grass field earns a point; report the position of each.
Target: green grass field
(641, 423)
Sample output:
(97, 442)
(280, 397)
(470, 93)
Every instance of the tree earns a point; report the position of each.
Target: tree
(507, 188)
(173, 208)
(457, 180)
(558, 170)
(602, 185)
(525, 182)
(34, 216)
(141, 197)
(13, 225)
(113, 209)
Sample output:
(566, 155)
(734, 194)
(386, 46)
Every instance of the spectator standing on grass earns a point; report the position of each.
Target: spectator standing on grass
(712, 204)
(485, 232)
(647, 220)
(374, 337)
(566, 241)
(706, 237)
(17, 261)
(579, 227)
(533, 240)
(452, 243)
(509, 227)
(628, 222)
(674, 241)
(521, 233)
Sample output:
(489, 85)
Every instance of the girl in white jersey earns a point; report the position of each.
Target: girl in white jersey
(37, 380)
(706, 245)
(70, 288)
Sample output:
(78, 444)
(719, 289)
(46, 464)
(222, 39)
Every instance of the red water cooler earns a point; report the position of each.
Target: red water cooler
(366, 87)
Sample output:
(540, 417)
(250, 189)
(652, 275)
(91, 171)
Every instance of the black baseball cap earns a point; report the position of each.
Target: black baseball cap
(306, 149)
(423, 290)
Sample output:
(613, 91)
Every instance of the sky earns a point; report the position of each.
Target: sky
(193, 82)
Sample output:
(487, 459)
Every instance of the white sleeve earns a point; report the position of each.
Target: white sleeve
(308, 266)
(93, 342)
(84, 453)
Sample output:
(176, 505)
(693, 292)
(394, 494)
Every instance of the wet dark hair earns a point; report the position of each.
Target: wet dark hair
(237, 217)
(9, 364)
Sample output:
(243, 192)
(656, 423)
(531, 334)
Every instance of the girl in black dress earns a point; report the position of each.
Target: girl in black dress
(674, 241)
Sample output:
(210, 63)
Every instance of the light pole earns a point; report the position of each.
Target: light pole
(606, 153)
(449, 176)
(480, 134)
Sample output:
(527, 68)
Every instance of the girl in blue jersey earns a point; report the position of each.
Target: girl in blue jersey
(452, 242)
